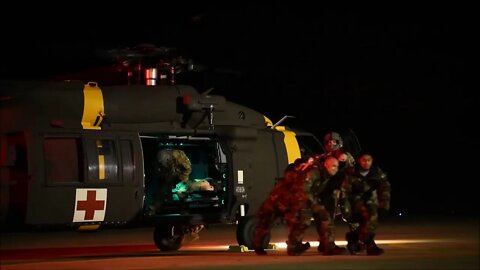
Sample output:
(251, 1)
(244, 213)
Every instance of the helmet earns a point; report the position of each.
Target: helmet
(333, 136)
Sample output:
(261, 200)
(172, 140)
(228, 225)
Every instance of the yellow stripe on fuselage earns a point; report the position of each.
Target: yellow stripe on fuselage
(291, 144)
(101, 162)
(268, 122)
(93, 109)
(92, 227)
(101, 167)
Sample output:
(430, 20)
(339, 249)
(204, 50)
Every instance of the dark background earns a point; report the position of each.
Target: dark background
(396, 75)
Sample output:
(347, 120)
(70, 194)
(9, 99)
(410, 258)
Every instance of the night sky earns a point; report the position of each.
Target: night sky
(395, 75)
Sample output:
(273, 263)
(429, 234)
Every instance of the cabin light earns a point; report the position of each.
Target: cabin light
(186, 100)
(151, 75)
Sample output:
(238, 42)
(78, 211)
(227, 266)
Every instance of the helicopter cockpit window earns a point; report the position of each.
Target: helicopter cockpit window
(309, 146)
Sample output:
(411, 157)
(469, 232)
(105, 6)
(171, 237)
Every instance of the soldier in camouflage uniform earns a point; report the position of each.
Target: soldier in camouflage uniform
(172, 166)
(325, 192)
(333, 144)
(368, 190)
(288, 199)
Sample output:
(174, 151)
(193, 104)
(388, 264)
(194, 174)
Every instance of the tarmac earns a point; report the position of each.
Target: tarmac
(409, 243)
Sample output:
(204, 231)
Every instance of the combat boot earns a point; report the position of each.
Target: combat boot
(330, 249)
(299, 248)
(260, 251)
(327, 240)
(260, 242)
(334, 250)
(352, 242)
(372, 248)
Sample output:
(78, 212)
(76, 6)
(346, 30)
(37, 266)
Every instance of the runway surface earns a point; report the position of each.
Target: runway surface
(409, 243)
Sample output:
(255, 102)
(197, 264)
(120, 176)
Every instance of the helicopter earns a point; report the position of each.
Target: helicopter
(81, 155)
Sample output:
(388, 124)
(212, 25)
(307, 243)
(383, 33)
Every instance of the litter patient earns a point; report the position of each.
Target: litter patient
(182, 189)
(174, 169)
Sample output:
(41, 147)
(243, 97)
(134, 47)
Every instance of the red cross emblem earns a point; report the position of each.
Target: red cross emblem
(90, 205)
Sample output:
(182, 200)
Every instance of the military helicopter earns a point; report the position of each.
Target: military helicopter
(81, 155)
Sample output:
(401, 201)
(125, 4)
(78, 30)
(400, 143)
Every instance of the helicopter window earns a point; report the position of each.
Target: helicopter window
(63, 159)
(102, 160)
(309, 145)
(222, 158)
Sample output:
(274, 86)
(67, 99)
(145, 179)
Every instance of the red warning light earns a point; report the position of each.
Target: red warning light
(186, 100)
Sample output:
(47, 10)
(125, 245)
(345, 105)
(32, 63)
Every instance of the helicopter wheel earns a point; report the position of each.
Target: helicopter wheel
(246, 232)
(168, 237)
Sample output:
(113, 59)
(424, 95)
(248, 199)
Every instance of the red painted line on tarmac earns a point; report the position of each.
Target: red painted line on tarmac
(61, 252)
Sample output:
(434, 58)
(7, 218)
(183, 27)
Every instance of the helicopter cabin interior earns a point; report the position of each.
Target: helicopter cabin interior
(184, 175)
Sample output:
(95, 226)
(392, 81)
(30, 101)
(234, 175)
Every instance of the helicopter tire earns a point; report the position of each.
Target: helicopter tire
(168, 237)
(246, 232)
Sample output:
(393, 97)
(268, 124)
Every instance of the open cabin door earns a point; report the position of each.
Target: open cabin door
(185, 175)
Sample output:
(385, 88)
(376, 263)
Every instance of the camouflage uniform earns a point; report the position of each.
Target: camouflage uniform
(288, 199)
(172, 166)
(331, 196)
(345, 170)
(333, 144)
(325, 192)
(366, 192)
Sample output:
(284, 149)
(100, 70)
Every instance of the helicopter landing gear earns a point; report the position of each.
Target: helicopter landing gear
(168, 237)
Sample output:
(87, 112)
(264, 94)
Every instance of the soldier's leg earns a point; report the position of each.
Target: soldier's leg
(371, 227)
(353, 236)
(265, 218)
(367, 225)
(326, 232)
(363, 217)
(353, 242)
(297, 224)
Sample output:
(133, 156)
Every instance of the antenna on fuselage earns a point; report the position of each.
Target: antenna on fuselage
(281, 120)
(207, 92)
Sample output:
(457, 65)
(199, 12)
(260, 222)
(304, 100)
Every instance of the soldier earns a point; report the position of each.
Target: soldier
(369, 189)
(288, 199)
(172, 167)
(333, 144)
(325, 192)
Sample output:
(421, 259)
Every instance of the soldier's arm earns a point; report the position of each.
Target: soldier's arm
(383, 190)
(312, 179)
